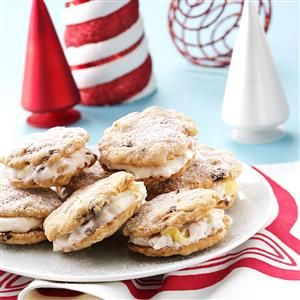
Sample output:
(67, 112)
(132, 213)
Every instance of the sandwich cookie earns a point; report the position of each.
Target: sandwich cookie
(94, 212)
(177, 223)
(22, 213)
(89, 176)
(212, 169)
(48, 159)
(153, 145)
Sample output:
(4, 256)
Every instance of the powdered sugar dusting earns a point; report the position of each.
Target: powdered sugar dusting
(50, 145)
(37, 203)
(148, 138)
(209, 167)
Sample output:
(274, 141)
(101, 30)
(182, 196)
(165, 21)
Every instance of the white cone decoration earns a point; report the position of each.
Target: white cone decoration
(254, 102)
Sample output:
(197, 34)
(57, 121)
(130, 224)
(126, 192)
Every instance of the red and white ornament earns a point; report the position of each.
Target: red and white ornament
(107, 51)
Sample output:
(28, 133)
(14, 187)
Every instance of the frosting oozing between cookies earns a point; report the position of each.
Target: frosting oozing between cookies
(42, 172)
(177, 237)
(19, 224)
(226, 189)
(112, 209)
(172, 167)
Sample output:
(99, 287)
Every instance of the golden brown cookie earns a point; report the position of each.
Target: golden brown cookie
(94, 212)
(49, 158)
(26, 238)
(212, 169)
(188, 249)
(153, 145)
(89, 176)
(177, 223)
(22, 213)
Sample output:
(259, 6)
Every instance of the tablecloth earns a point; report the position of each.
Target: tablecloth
(266, 266)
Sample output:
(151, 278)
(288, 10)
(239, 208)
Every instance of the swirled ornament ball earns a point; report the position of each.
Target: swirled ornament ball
(203, 31)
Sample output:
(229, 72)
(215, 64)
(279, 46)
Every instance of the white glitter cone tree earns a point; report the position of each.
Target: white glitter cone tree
(254, 102)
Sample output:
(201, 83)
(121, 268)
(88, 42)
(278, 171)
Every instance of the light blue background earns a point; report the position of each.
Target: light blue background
(192, 90)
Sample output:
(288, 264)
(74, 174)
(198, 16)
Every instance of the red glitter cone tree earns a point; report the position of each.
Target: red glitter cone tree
(107, 51)
(49, 90)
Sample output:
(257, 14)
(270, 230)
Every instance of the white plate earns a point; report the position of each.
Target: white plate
(110, 260)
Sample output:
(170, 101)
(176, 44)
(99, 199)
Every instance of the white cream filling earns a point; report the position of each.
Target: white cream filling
(114, 207)
(188, 234)
(172, 167)
(19, 224)
(225, 190)
(48, 171)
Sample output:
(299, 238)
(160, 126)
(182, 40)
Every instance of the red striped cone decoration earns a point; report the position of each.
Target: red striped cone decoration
(107, 51)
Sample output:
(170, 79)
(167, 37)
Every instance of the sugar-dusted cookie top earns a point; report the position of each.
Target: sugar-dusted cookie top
(209, 167)
(49, 146)
(89, 176)
(37, 203)
(171, 209)
(85, 202)
(147, 139)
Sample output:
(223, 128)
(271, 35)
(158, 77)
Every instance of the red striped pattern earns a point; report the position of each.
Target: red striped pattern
(108, 59)
(264, 261)
(11, 285)
(104, 28)
(120, 89)
(75, 2)
(283, 250)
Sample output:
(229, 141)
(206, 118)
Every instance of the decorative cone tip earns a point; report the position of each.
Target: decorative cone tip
(48, 85)
(254, 101)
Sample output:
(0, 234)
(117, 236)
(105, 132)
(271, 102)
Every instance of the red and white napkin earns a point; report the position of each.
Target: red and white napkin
(266, 266)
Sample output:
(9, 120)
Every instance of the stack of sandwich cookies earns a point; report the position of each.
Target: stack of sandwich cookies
(22, 213)
(153, 145)
(48, 159)
(189, 186)
(94, 212)
(89, 176)
(177, 223)
(212, 169)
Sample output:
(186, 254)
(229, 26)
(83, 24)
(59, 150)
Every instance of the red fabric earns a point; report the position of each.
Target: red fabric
(58, 293)
(276, 235)
(120, 89)
(280, 227)
(101, 29)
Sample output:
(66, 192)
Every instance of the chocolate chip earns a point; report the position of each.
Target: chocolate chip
(164, 122)
(128, 144)
(40, 169)
(30, 151)
(45, 158)
(5, 236)
(172, 209)
(218, 174)
(52, 151)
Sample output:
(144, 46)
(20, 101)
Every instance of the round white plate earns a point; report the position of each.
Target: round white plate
(110, 260)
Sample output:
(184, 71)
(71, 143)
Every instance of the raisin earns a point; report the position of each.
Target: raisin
(5, 236)
(172, 209)
(40, 169)
(52, 151)
(128, 144)
(218, 174)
